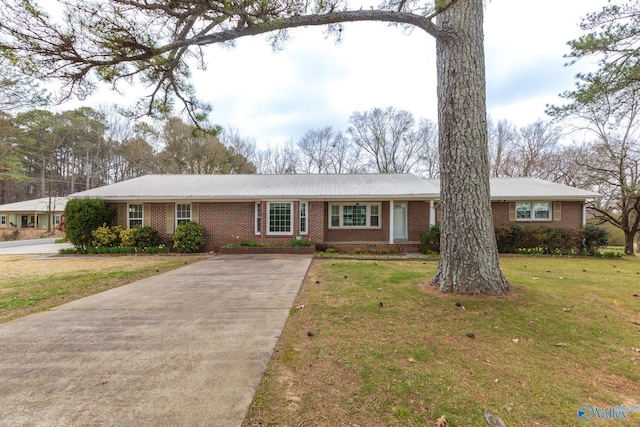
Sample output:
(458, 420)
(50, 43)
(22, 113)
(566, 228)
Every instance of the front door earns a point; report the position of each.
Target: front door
(399, 220)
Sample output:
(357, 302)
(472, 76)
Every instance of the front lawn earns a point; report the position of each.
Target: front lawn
(370, 343)
(29, 284)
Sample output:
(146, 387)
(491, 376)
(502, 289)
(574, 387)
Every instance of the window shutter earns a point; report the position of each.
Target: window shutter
(195, 212)
(146, 214)
(512, 211)
(171, 218)
(557, 211)
(122, 215)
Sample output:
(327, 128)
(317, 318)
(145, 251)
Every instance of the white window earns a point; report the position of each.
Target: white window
(279, 218)
(258, 217)
(304, 218)
(3, 220)
(57, 219)
(134, 215)
(533, 211)
(355, 215)
(183, 213)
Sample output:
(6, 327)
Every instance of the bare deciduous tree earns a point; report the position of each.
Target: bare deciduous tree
(389, 137)
(154, 39)
(326, 150)
(281, 159)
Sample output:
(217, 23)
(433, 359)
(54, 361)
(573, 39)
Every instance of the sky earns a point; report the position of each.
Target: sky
(275, 97)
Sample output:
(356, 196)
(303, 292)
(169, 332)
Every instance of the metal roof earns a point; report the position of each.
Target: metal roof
(317, 187)
(36, 205)
(534, 188)
(250, 187)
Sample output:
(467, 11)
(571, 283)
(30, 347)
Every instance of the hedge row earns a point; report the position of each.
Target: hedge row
(546, 240)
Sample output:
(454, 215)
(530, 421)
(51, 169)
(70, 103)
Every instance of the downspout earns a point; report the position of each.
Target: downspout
(391, 222)
(432, 213)
(584, 214)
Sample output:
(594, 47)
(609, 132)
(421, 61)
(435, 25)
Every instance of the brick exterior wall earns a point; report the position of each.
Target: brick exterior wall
(418, 220)
(233, 222)
(571, 215)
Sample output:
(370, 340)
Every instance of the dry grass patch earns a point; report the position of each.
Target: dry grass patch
(375, 346)
(31, 283)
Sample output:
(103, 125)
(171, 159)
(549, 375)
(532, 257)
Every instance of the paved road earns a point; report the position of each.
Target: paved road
(184, 348)
(33, 246)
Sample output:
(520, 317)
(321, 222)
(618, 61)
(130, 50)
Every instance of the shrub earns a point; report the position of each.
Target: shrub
(594, 238)
(156, 249)
(106, 236)
(510, 238)
(299, 243)
(127, 237)
(538, 239)
(145, 237)
(82, 217)
(188, 238)
(430, 241)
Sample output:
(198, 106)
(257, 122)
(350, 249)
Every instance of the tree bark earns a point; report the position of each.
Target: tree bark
(628, 242)
(469, 262)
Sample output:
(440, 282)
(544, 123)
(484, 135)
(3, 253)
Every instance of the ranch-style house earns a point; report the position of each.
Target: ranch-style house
(341, 211)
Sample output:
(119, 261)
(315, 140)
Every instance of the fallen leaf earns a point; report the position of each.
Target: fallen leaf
(516, 340)
(441, 422)
(561, 344)
(411, 360)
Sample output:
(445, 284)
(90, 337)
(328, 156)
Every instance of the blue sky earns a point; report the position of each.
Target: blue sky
(274, 97)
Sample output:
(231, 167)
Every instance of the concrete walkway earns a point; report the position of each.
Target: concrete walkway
(184, 348)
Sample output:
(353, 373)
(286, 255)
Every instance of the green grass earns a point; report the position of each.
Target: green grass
(43, 287)
(563, 337)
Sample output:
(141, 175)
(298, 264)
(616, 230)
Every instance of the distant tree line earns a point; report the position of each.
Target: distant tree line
(55, 154)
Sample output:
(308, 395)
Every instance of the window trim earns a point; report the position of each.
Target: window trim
(129, 215)
(176, 213)
(291, 217)
(304, 219)
(257, 218)
(57, 218)
(341, 225)
(532, 211)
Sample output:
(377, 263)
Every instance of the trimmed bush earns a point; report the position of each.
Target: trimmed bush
(83, 216)
(106, 236)
(430, 241)
(188, 238)
(127, 237)
(594, 238)
(510, 238)
(145, 237)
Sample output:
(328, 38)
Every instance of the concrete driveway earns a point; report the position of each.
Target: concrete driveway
(184, 348)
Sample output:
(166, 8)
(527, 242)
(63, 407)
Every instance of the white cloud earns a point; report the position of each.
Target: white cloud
(276, 96)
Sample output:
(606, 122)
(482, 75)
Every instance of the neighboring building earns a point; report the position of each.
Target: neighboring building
(344, 211)
(33, 213)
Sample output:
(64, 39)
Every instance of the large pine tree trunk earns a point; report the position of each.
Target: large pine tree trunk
(469, 262)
